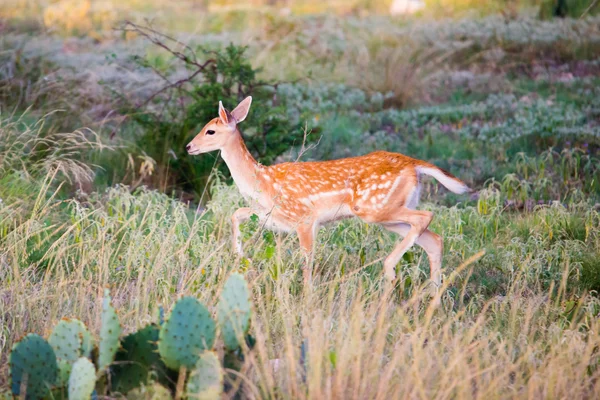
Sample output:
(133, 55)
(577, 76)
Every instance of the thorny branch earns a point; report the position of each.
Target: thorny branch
(160, 39)
(187, 56)
(304, 149)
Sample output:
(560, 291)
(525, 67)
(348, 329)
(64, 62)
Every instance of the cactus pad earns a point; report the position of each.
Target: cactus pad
(82, 380)
(110, 330)
(137, 357)
(206, 380)
(70, 340)
(32, 361)
(233, 311)
(65, 340)
(188, 331)
(64, 370)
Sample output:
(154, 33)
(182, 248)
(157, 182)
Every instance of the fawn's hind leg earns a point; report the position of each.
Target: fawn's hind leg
(433, 245)
(418, 221)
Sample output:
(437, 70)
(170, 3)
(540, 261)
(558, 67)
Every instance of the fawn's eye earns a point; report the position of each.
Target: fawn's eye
(211, 132)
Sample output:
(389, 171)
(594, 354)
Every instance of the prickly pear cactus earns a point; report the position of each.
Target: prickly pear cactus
(151, 392)
(233, 311)
(206, 380)
(136, 359)
(32, 361)
(188, 331)
(110, 330)
(64, 371)
(70, 340)
(82, 380)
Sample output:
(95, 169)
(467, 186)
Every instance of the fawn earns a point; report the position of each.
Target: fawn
(380, 187)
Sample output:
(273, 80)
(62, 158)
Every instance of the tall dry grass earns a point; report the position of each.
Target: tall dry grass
(349, 335)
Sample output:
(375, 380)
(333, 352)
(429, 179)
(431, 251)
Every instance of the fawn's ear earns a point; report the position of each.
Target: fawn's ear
(225, 116)
(241, 111)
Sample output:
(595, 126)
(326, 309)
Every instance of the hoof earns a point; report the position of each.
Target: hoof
(307, 279)
(434, 287)
(433, 291)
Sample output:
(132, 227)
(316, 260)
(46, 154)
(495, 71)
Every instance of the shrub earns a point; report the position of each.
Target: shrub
(568, 8)
(170, 117)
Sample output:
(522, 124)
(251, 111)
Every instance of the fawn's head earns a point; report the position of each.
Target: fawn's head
(216, 134)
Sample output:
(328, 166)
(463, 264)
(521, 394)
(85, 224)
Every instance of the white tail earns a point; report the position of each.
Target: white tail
(449, 181)
(380, 187)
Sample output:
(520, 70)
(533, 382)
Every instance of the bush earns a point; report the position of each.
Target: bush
(568, 8)
(170, 117)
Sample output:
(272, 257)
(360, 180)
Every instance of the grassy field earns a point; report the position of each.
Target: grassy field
(96, 190)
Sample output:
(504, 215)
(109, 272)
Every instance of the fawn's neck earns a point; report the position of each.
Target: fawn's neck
(242, 165)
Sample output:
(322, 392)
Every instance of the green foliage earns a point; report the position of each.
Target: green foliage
(224, 74)
(206, 380)
(33, 365)
(233, 311)
(590, 271)
(82, 380)
(189, 330)
(110, 330)
(568, 8)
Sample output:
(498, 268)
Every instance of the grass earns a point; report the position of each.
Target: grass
(500, 332)
(508, 104)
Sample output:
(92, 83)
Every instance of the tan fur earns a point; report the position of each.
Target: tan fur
(379, 187)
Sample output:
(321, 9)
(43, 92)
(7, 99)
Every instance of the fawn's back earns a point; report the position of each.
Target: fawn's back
(331, 190)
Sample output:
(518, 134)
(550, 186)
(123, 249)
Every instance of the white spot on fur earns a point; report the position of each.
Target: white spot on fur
(365, 195)
(391, 191)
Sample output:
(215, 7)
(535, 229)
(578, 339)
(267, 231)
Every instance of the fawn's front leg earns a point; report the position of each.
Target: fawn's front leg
(306, 236)
(239, 216)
